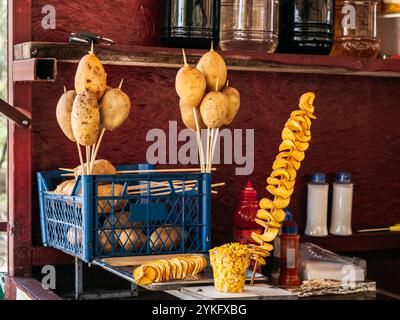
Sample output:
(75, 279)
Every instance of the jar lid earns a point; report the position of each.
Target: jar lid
(289, 225)
(343, 177)
(318, 178)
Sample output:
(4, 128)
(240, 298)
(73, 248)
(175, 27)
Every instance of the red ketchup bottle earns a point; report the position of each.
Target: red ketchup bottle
(289, 259)
(243, 221)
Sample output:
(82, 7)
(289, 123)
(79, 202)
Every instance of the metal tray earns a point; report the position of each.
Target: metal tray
(123, 268)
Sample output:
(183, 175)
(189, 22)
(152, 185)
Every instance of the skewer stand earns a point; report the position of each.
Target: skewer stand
(98, 294)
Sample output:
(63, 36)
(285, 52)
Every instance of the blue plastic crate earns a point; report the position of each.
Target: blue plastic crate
(127, 218)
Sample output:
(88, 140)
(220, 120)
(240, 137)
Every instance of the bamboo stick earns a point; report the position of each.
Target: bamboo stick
(199, 141)
(163, 170)
(97, 147)
(80, 156)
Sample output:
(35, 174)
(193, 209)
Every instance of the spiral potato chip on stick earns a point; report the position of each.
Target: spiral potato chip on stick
(280, 184)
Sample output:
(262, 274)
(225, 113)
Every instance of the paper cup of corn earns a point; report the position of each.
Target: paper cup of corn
(230, 263)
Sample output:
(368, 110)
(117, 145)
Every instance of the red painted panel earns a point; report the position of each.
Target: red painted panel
(19, 141)
(133, 22)
(356, 131)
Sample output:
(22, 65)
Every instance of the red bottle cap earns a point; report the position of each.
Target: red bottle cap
(249, 193)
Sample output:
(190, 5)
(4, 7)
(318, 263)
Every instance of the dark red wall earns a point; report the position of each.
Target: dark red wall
(357, 126)
(133, 22)
(356, 131)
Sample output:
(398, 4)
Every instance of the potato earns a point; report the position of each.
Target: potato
(105, 190)
(105, 241)
(85, 119)
(68, 188)
(214, 109)
(213, 68)
(63, 113)
(166, 237)
(74, 236)
(62, 187)
(91, 76)
(188, 116)
(123, 229)
(130, 237)
(234, 103)
(114, 108)
(190, 85)
(100, 166)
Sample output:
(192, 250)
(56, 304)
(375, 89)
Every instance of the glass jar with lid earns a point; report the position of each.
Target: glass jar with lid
(306, 26)
(249, 25)
(355, 29)
(191, 23)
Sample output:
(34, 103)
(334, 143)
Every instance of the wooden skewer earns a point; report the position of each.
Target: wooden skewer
(97, 147)
(80, 155)
(216, 133)
(209, 139)
(159, 192)
(87, 159)
(164, 170)
(151, 171)
(199, 141)
(158, 184)
(66, 169)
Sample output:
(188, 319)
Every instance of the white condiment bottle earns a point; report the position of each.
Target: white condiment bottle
(317, 206)
(342, 203)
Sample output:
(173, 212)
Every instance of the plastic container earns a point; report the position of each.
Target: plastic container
(130, 220)
(249, 25)
(243, 219)
(356, 29)
(289, 267)
(191, 23)
(342, 202)
(230, 263)
(317, 206)
(306, 26)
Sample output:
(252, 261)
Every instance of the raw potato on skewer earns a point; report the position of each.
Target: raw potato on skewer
(188, 118)
(190, 85)
(213, 68)
(100, 166)
(64, 111)
(114, 108)
(214, 109)
(234, 103)
(91, 76)
(85, 119)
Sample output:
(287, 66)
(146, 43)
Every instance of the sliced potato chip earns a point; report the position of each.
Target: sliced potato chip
(278, 215)
(295, 164)
(269, 234)
(178, 268)
(293, 125)
(281, 203)
(288, 134)
(286, 145)
(167, 270)
(267, 224)
(184, 268)
(280, 173)
(281, 163)
(266, 203)
(302, 137)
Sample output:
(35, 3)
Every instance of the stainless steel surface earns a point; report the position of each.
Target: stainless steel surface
(206, 277)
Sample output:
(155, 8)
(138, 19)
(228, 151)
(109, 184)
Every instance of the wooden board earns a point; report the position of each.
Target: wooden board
(160, 57)
(256, 292)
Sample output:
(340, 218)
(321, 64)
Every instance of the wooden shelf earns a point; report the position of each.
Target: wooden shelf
(242, 61)
(357, 242)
